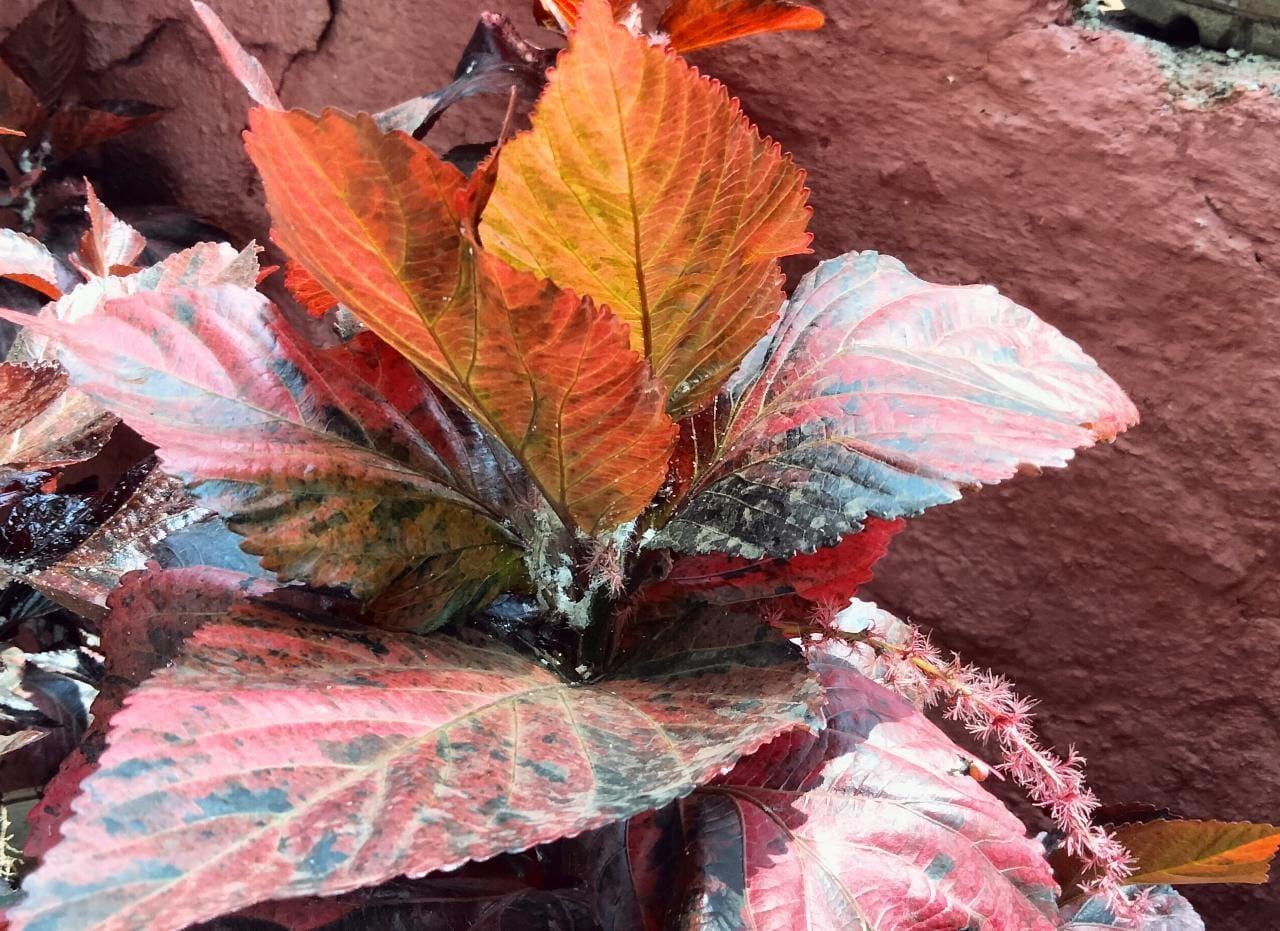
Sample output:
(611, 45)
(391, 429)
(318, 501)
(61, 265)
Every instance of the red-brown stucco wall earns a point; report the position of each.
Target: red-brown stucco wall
(1136, 593)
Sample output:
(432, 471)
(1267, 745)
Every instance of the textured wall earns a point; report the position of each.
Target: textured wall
(1136, 593)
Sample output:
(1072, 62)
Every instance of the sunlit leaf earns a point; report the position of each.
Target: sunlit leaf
(871, 823)
(373, 218)
(1165, 910)
(1178, 852)
(830, 575)
(326, 480)
(642, 184)
(110, 245)
(299, 749)
(881, 394)
(42, 425)
(28, 262)
(693, 24)
(246, 69)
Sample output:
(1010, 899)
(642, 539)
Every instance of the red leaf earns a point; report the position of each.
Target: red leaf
(373, 217)
(26, 261)
(868, 823)
(878, 393)
(108, 243)
(74, 128)
(335, 759)
(695, 24)
(326, 480)
(247, 69)
(307, 291)
(829, 575)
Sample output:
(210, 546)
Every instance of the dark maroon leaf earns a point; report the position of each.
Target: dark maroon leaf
(47, 691)
(74, 128)
(497, 60)
(46, 49)
(20, 109)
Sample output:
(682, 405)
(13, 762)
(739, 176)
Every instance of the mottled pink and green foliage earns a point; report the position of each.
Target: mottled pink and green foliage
(524, 598)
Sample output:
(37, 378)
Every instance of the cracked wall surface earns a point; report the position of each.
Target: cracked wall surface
(1136, 593)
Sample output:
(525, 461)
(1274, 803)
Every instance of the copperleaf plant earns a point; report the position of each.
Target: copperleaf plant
(549, 622)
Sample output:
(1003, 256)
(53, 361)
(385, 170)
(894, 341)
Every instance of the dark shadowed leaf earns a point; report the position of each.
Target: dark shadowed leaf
(325, 478)
(74, 128)
(693, 24)
(300, 749)
(49, 692)
(374, 218)
(46, 49)
(1178, 852)
(868, 824)
(20, 109)
(878, 393)
(495, 61)
(600, 197)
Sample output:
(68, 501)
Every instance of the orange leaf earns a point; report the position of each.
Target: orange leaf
(6, 131)
(642, 184)
(373, 218)
(307, 291)
(564, 13)
(695, 24)
(1188, 852)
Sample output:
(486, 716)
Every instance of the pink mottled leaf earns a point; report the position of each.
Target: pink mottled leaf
(246, 69)
(324, 477)
(300, 749)
(28, 262)
(870, 823)
(110, 245)
(880, 394)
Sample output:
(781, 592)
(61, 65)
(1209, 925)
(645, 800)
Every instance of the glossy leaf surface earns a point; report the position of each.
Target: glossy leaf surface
(373, 217)
(878, 393)
(324, 478)
(694, 24)
(300, 749)
(642, 184)
(125, 542)
(867, 824)
(42, 425)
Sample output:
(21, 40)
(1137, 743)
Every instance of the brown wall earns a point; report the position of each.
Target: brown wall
(1136, 593)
